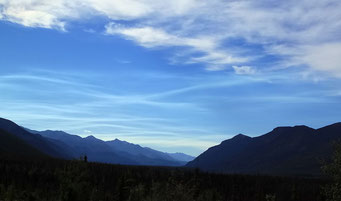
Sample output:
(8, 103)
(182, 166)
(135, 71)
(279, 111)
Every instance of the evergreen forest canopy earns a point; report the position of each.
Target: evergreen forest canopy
(62, 180)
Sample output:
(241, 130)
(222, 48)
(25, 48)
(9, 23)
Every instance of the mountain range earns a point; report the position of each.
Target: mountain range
(297, 150)
(59, 144)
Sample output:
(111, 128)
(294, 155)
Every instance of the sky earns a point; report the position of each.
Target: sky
(177, 76)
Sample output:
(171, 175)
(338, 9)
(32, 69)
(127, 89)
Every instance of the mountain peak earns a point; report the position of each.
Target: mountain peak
(284, 129)
(240, 136)
(117, 140)
(91, 137)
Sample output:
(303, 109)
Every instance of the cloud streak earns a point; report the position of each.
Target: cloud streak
(294, 32)
(186, 107)
(150, 37)
(90, 107)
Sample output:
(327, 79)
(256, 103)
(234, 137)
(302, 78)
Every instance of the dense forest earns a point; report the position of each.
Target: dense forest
(53, 179)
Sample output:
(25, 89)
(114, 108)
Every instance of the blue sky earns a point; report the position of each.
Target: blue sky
(175, 76)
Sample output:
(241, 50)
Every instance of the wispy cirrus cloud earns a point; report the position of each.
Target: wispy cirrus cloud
(151, 37)
(279, 58)
(56, 14)
(185, 108)
(31, 99)
(218, 34)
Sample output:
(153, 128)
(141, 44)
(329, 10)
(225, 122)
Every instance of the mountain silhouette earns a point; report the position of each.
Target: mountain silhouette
(297, 150)
(48, 147)
(135, 149)
(115, 151)
(13, 147)
(19, 141)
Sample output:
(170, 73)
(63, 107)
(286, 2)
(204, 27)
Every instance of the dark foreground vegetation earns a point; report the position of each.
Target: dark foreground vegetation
(50, 179)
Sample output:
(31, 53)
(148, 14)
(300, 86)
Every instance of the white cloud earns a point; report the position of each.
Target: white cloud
(134, 9)
(153, 37)
(37, 13)
(304, 33)
(55, 14)
(326, 57)
(145, 36)
(128, 9)
(244, 70)
(295, 30)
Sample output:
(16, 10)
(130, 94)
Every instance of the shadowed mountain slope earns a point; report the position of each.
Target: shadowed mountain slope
(54, 149)
(13, 147)
(297, 150)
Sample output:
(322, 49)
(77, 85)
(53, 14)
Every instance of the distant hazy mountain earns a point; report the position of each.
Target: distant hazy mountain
(295, 150)
(95, 149)
(181, 157)
(135, 149)
(49, 147)
(116, 151)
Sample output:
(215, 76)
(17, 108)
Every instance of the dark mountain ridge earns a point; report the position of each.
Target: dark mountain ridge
(13, 147)
(59, 144)
(297, 150)
(40, 143)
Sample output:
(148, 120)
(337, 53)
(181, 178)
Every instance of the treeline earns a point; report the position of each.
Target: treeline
(60, 180)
